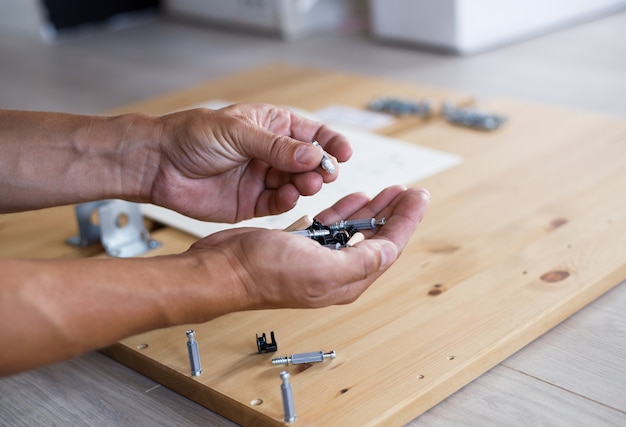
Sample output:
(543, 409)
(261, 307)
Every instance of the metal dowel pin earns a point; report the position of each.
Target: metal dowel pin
(326, 163)
(194, 353)
(287, 394)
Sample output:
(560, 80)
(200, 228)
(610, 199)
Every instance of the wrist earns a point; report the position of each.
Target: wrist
(213, 288)
(138, 155)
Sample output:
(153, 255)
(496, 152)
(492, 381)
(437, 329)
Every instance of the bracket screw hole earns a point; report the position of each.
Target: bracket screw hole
(94, 218)
(122, 220)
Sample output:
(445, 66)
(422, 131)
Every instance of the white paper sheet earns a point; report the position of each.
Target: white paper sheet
(354, 117)
(377, 162)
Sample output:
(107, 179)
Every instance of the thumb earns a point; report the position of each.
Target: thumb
(284, 152)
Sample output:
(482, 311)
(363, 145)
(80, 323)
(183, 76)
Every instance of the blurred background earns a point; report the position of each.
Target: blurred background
(87, 57)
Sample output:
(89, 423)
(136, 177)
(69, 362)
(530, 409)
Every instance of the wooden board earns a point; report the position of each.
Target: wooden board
(529, 229)
(42, 234)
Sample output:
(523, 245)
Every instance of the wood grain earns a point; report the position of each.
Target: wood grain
(42, 234)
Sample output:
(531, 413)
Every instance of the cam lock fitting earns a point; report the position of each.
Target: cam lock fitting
(300, 358)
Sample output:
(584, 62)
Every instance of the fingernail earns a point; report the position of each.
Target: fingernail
(388, 254)
(307, 154)
(425, 193)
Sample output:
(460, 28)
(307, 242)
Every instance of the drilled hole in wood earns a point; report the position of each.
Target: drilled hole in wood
(142, 346)
(256, 402)
(451, 357)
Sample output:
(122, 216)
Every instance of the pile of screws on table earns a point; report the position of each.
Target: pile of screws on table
(468, 117)
(401, 107)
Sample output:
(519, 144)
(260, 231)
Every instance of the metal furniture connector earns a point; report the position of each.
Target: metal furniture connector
(194, 353)
(264, 346)
(297, 359)
(287, 394)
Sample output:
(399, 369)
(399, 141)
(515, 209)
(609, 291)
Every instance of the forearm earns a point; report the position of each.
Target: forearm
(51, 310)
(50, 159)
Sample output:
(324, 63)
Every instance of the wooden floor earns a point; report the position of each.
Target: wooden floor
(577, 368)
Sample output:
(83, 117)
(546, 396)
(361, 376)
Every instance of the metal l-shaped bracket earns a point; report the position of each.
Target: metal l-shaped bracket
(117, 224)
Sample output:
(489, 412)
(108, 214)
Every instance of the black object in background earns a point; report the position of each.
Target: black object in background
(64, 14)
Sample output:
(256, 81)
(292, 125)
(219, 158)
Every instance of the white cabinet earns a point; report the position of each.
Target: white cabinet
(470, 26)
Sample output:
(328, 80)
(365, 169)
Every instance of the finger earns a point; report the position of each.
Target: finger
(384, 201)
(283, 138)
(280, 151)
(307, 183)
(343, 208)
(334, 144)
(405, 214)
(358, 205)
(275, 178)
(274, 202)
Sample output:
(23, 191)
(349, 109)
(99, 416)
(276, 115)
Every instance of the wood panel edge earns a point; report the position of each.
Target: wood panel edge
(193, 390)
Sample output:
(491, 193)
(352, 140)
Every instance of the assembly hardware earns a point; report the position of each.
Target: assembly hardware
(297, 359)
(338, 234)
(326, 163)
(400, 107)
(356, 238)
(117, 224)
(471, 118)
(194, 354)
(264, 346)
(311, 234)
(359, 224)
(287, 394)
(335, 246)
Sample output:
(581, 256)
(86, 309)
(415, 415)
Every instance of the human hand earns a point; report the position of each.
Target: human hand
(275, 269)
(242, 161)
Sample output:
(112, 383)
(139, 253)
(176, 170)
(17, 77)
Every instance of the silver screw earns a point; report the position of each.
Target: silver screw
(358, 224)
(287, 393)
(297, 359)
(194, 354)
(326, 163)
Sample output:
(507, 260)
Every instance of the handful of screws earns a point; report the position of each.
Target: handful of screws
(339, 234)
